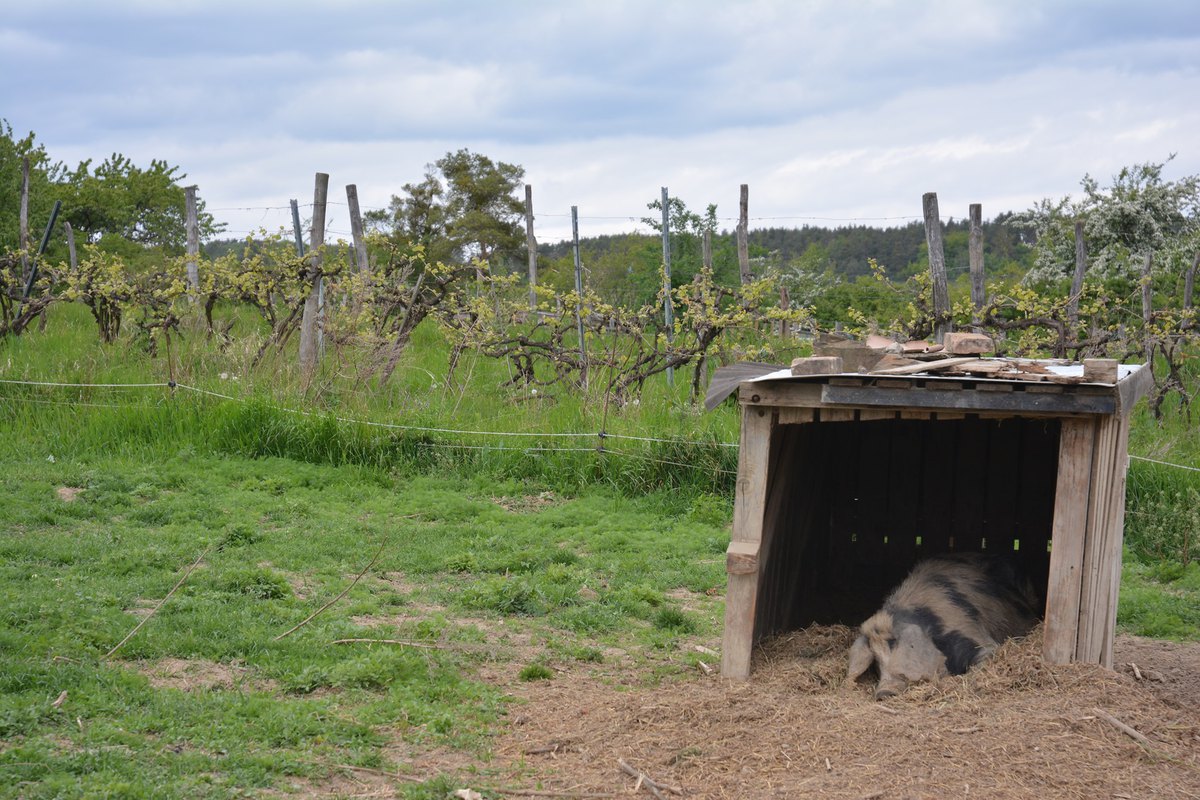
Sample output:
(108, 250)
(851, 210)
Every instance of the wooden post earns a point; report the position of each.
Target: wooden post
(23, 234)
(70, 245)
(356, 230)
(975, 254)
(668, 301)
(1148, 307)
(1080, 271)
(1189, 282)
(741, 560)
(531, 246)
(706, 250)
(583, 371)
(193, 241)
(1069, 532)
(785, 303)
(310, 321)
(743, 235)
(937, 267)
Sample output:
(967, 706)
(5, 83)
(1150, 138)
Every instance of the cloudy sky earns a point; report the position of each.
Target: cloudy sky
(833, 112)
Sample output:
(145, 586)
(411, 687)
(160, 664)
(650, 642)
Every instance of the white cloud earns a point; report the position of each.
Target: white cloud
(826, 110)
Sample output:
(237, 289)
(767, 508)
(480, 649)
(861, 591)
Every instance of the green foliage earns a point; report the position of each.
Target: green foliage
(1163, 513)
(44, 177)
(120, 201)
(465, 209)
(1160, 600)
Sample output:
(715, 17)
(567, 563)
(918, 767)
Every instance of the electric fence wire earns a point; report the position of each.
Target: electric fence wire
(1166, 463)
(427, 429)
(462, 431)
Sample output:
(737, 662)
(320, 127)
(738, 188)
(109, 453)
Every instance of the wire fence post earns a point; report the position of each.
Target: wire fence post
(310, 324)
(531, 245)
(193, 241)
(668, 311)
(942, 322)
(583, 371)
(975, 264)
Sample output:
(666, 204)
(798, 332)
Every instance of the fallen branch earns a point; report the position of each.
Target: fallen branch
(345, 591)
(550, 793)
(654, 787)
(400, 642)
(174, 589)
(1122, 727)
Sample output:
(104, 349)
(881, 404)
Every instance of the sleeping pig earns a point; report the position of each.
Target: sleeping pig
(950, 612)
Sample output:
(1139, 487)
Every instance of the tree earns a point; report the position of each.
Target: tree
(417, 218)
(466, 208)
(44, 174)
(130, 208)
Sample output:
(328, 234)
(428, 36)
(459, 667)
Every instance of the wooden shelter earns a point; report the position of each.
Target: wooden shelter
(846, 480)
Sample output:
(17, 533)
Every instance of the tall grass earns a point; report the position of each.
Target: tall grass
(341, 417)
(418, 422)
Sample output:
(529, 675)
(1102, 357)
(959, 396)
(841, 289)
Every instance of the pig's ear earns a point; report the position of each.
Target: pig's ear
(861, 659)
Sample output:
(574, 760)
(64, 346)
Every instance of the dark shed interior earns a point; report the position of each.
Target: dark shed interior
(852, 506)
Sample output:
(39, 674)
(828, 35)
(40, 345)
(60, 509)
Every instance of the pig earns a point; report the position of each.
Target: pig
(951, 612)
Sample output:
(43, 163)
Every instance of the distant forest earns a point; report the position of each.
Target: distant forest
(844, 251)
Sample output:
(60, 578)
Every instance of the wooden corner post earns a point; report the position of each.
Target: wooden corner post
(742, 557)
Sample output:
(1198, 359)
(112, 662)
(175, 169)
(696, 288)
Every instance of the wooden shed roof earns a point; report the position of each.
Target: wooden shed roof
(1005, 385)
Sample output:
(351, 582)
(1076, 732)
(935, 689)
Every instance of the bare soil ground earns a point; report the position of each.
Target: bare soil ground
(1011, 728)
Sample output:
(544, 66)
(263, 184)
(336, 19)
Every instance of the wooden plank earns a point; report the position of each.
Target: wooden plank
(870, 414)
(1093, 595)
(927, 366)
(748, 509)
(780, 393)
(817, 365)
(795, 416)
(1100, 370)
(909, 413)
(1021, 402)
(1134, 388)
(1069, 530)
(1115, 532)
(741, 558)
(836, 414)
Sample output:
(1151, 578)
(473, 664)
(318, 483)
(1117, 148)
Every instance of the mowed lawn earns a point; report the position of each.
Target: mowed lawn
(206, 699)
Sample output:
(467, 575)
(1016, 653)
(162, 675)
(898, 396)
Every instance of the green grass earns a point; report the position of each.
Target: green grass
(1160, 600)
(283, 538)
(537, 551)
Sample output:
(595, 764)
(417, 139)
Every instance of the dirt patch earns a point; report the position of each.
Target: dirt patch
(68, 494)
(527, 503)
(1011, 728)
(192, 675)
(1169, 670)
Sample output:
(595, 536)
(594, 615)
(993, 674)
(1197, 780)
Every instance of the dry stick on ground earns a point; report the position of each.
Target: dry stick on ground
(551, 793)
(174, 588)
(1122, 727)
(345, 591)
(401, 642)
(655, 788)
